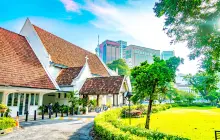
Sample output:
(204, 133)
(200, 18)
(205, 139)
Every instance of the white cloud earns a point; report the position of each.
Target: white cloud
(70, 5)
(140, 23)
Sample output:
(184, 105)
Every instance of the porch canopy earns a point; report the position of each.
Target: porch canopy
(102, 85)
(109, 88)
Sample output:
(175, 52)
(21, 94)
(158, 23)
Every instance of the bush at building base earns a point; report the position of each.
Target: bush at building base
(108, 126)
(6, 122)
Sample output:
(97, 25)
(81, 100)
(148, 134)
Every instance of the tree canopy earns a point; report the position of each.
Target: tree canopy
(198, 23)
(153, 79)
(203, 82)
(121, 65)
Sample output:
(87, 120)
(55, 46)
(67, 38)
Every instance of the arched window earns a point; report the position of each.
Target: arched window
(10, 96)
(15, 103)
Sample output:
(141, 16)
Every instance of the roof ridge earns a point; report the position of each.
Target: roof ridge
(63, 39)
(12, 32)
(107, 76)
(76, 67)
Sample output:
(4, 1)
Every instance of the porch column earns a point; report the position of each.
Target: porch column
(4, 98)
(40, 101)
(117, 100)
(113, 99)
(97, 100)
(104, 99)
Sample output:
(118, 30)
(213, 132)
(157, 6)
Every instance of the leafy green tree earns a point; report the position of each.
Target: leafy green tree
(183, 96)
(203, 82)
(197, 23)
(188, 97)
(151, 80)
(171, 91)
(213, 97)
(121, 65)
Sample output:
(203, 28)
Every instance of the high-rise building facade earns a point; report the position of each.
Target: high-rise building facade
(123, 46)
(109, 51)
(135, 55)
(165, 55)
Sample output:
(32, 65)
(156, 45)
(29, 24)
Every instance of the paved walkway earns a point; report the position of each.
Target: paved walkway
(75, 128)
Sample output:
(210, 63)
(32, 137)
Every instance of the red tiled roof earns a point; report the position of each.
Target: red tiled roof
(19, 65)
(66, 76)
(102, 85)
(68, 54)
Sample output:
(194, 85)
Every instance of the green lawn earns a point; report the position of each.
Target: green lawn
(196, 123)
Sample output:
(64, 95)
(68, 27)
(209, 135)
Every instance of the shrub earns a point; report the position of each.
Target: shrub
(3, 106)
(144, 108)
(107, 131)
(186, 104)
(142, 132)
(6, 122)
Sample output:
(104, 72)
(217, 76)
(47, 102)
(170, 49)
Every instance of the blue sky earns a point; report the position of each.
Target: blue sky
(81, 21)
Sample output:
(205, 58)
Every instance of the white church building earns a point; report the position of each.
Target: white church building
(38, 68)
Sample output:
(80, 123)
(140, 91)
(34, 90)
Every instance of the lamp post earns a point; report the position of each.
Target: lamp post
(128, 96)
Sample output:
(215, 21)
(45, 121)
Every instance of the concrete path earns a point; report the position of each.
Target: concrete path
(77, 128)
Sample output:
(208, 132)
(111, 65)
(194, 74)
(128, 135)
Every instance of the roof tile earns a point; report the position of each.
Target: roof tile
(66, 76)
(102, 85)
(68, 54)
(19, 65)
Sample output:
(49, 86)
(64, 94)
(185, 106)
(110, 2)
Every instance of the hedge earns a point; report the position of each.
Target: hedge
(105, 130)
(144, 108)
(6, 122)
(184, 104)
(142, 132)
(109, 127)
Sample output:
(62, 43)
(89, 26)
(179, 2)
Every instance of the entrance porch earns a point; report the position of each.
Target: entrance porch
(20, 100)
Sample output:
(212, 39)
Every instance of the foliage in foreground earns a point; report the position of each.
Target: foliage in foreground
(152, 80)
(6, 122)
(197, 23)
(108, 126)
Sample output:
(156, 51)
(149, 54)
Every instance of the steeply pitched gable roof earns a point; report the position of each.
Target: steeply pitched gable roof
(19, 65)
(68, 54)
(102, 85)
(66, 76)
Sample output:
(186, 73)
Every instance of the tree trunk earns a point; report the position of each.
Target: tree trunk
(97, 100)
(147, 125)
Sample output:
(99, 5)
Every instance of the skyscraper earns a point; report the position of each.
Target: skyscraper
(109, 51)
(123, 46)
(165, 55)
(135, 55)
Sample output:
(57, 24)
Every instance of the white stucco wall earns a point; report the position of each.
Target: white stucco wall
(81, 78)
(33, 39)
(54, 71)
(32, 109)
(14, 108)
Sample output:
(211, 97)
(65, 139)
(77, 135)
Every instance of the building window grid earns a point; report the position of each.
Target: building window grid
(13, 99)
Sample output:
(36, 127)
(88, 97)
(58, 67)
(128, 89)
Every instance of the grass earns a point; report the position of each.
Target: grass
(196, 123)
